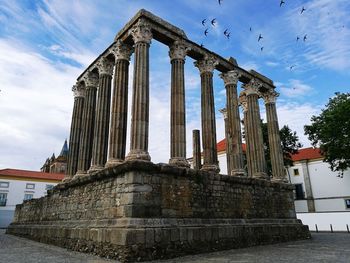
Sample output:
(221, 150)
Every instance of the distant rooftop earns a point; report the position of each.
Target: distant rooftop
(31, 174)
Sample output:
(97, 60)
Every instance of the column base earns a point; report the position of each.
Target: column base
(179, 161)
(114, 162)
(280, 180)
(95, 168)
(80, 174)
(261, 175)
(138, 155)
(67, 179)
(213, 168)
(238, 172)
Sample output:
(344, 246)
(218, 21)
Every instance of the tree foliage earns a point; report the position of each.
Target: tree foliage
(331, 132)
(290, 145)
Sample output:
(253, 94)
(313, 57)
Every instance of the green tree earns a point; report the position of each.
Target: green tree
(331, 132)
(290, 145)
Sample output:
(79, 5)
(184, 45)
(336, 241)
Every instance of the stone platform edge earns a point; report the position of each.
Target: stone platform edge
(133, 239)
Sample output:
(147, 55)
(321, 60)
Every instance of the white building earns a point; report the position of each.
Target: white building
(19, 185)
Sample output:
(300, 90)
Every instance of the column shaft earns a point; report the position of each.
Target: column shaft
(74, 137)
(177, 54)
(100, 143)
(87, 134)
(208, 123)
(256, 144)
(278, 172)
(140, 104)
(117, 137)
(197, 160)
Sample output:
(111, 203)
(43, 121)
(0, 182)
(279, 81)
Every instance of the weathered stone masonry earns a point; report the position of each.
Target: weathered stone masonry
(122, 205)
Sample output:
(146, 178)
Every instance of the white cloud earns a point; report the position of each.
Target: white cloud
(250, 65)
(35, 103)
(295, 88)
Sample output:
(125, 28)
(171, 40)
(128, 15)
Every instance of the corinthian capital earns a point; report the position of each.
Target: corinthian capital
(91, 79)
(243, 101)
(141, 32)
(224, 113)
(207, 64)
(252, 87)
(178, 50)
(78, 90)
(230, 77)
(105, 66)
(269, 96)
(122, 51)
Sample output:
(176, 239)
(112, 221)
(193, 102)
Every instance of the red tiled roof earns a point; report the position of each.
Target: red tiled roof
(31, 174)
(303, 154)
(307, 154)
(221, 146)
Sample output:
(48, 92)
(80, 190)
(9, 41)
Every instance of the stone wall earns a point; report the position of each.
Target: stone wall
(140, 210)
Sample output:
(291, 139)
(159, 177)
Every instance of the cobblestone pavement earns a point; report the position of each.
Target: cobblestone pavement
(323, 247)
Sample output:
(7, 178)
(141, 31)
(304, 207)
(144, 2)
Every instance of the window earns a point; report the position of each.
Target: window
(347, 203)
(3, 199)
(299, 193)
(296, 172)
(30, 186)
(4, 184)
(28, 196)
(49, 186)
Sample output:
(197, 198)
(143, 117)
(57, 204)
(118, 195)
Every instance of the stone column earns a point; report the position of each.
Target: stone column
(142, 35)
(228, 142)
(234, 123)
(308, 189)
(100, 143)
(243, 103)
(276, 155)
(75, 130)
(197, 160)
(88, 120)
(177, 55)
(117, 135)
(206, 68)
(256, 144)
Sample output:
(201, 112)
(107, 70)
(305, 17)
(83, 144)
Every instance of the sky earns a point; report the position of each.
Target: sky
(46, 44)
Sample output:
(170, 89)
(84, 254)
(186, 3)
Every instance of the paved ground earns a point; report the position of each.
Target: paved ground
(323, 247)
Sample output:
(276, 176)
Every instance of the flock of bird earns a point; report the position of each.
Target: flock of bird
(226, 32)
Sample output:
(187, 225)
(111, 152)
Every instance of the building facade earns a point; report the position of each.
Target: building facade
(17, 186)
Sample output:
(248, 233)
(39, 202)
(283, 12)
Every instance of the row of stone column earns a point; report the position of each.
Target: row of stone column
(91, 115)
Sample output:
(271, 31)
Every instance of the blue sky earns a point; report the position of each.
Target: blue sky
(45, 45)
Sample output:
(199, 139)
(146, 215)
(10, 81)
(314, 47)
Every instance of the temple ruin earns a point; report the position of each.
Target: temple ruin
(119, 204)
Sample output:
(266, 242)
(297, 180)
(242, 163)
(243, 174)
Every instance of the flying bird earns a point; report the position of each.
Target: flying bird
(203, 22)
(202, 45)
(281, 3)
(206, 32)
(298, 38)
(305, 37)
(219, 1)
(226, 31)
(302, 10)
(291, 67)
(250, 29)
(262, 48)
(228, 35)
(260, 37)
(213, 22)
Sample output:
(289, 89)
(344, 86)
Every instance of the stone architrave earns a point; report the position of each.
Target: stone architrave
(117, 135)
(234, 124)
(75, 130)
(177, 55)
(88, 121)
(276, 155)
(100, 143)
(206, 67)
(142, 36)
(243, 103)
(256, 144)
(197, 164)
